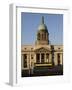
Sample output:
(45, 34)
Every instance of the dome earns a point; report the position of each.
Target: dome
(42, 27)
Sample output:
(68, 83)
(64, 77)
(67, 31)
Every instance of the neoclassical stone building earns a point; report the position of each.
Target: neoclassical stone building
(42, 53)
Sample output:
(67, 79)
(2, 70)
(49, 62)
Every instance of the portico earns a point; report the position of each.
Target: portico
(42, 57)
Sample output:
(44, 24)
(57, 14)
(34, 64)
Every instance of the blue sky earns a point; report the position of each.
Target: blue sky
(31, 21)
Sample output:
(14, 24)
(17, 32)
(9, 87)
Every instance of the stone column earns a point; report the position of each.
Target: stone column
(27, 60)
(55, 59)
(45, 58)
(35, 58)
(50, 58)
(30, 60)
(61, 61)
(22, 61)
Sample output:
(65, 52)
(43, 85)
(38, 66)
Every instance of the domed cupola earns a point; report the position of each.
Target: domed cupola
(42, 26)
(42, 34)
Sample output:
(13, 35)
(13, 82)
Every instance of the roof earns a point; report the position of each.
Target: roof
(42, 26)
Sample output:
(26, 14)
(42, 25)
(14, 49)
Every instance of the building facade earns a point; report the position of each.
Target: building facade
(42, 53)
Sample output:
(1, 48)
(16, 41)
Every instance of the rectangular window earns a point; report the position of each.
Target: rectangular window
(25, 60)
(42, 58)
(58, 58)
(37, 58)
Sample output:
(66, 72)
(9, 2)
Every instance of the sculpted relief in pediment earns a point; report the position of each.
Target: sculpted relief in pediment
(42, 50)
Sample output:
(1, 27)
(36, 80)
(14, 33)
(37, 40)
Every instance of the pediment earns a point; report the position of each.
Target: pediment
(42, 49)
